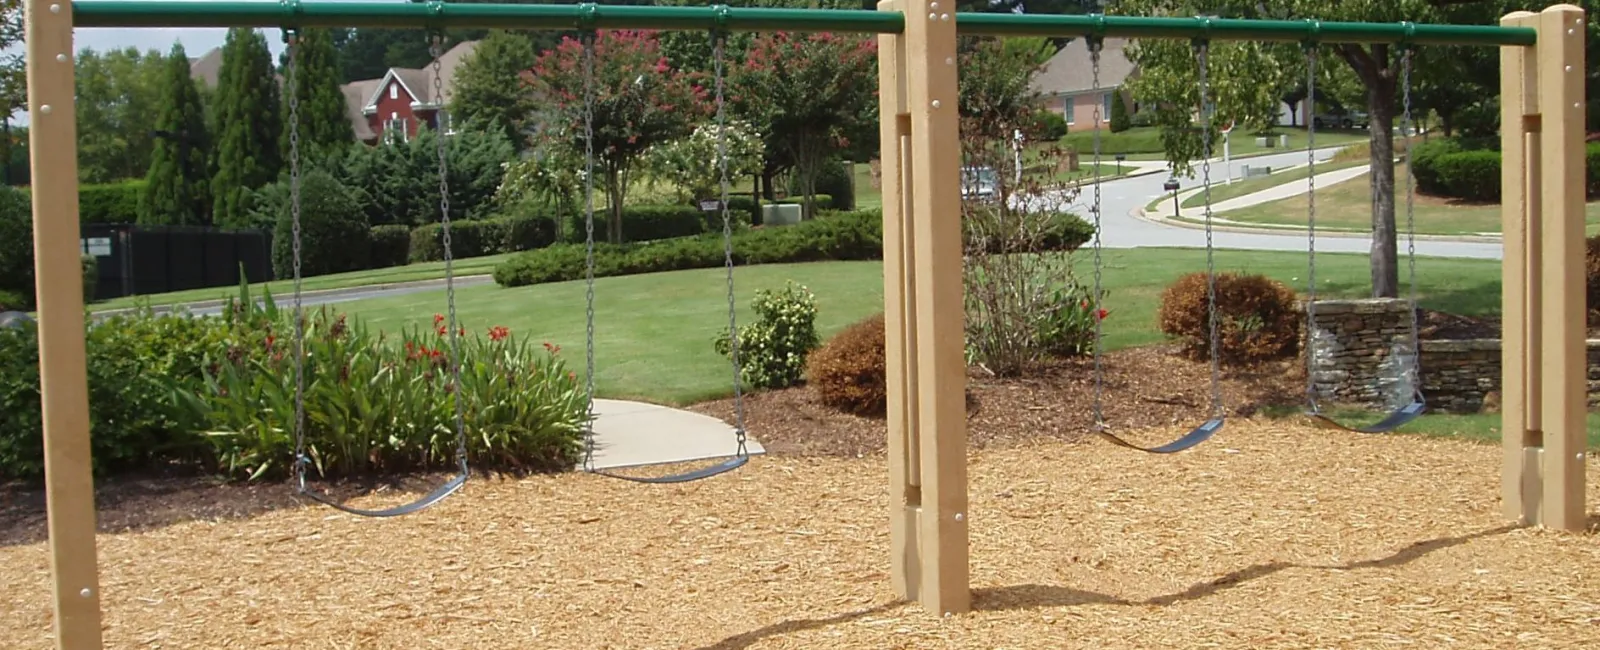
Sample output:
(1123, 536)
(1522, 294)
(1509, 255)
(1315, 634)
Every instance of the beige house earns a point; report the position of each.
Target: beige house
(1067, 82)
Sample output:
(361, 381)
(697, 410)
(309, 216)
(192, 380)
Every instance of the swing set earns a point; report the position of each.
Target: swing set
(1542, 91)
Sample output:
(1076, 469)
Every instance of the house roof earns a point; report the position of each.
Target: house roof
(207, 68)
(355, 93)
(418, 82)
(1069, 71)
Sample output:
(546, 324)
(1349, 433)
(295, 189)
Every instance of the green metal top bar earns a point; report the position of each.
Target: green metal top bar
(438, 15)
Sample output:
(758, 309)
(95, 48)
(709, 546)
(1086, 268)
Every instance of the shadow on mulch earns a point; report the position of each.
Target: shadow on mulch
(133, 503)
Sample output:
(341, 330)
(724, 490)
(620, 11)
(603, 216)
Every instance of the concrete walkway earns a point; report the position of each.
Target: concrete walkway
(630, 434)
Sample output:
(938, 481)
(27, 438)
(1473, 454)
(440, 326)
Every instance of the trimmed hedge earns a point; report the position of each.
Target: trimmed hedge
(391, 244)
(110, 203)
(1469, 170)
(91, 277)
(642, 223)
(471, 238)
(846, 236)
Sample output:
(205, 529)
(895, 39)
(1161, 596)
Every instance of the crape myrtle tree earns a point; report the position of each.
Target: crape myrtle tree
(639, 101)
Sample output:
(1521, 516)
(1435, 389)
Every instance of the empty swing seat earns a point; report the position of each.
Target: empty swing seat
(1189, 440)
(1388, 424)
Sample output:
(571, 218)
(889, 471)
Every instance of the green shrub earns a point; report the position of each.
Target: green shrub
(110, 203)
(1424, 158)
(1143, 119)
(1120, 120)
(1066, 328)
(13, 301)
(1050, 126)
(773, 350)
(375, 405)
(1591, 266)
(642, 223)
(1469, 175)
(823, 201)
(835, 182)
(16, 247)
(1592, 160)
(391, 245)
(1258, 317)
(527, 232)
(472, 238)
(334, 235)
(745, 205)
(91, 277)
(849, 372)
(847, 236)
(1023, 232)
(136, 362)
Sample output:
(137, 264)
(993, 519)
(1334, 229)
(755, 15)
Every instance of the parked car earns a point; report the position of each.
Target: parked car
(1345, 120)
(979, 183)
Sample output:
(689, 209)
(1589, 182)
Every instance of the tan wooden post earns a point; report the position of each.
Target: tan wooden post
(1544, 367)
(924, 317)
(63, 375)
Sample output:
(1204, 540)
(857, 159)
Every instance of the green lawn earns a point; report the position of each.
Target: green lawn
(1347, 206)
(375, 277)
(654, 332)
(1223, 191)
(1144, 143)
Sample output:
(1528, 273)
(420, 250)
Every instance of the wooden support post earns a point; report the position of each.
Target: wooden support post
(921, 158)
(1563, 365)
(63, 375)
(1544, 372)
(1519, 293)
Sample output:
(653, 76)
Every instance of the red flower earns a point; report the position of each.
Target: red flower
(438, 318)
(270, 340)
(499, 333)
(1102, 314)
(1084, 304)
(441, 330)
(552, 349)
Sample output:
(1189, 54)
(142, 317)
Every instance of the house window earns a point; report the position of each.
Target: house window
(394, 130)
(1069, 107)
(394, 91)
(443, 123)
(1105, 108)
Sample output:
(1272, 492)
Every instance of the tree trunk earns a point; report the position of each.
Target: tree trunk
(614, 190)
(1385, 271)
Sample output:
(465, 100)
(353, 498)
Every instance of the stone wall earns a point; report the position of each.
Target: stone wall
(1361, 354)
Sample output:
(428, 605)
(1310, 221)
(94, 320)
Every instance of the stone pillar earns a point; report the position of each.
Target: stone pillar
(1361, 352)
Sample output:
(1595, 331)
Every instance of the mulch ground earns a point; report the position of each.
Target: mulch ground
(1270, 536)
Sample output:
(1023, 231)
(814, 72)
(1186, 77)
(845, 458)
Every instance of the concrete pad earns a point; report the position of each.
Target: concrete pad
(630, 434)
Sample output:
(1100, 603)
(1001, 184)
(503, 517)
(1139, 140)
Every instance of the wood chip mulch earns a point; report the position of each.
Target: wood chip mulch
(1270, 536)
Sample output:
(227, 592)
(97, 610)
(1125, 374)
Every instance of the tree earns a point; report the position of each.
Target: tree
(177, 185)
(639, 101)
(1120, 119)
(693, 164)
(489, 90)
(13, 74)
(807, 94)
(245, 110)
(994, 84)
(117, 94)
(324, 125)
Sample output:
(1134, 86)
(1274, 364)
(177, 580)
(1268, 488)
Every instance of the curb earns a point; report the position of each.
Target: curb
(1144, 214)
(204, 304)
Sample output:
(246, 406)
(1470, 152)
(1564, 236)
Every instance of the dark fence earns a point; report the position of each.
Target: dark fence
(141, 260)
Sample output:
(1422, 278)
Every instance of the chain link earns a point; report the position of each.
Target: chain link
(436, 48)
(588, 270)
(1311, 227)
(300, 457)
(719, 53)
(1411, 226)
(1095, 47)
(1211, 266)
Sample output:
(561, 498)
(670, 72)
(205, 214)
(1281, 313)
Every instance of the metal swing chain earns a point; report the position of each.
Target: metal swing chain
(300, 460)
(1211, 267)
(1099, 369)
(719, 42)
(1311, 228)
(436, 48)
(588, 197)
(1411, 227)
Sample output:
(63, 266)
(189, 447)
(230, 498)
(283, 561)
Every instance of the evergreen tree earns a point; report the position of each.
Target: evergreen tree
(489, 93)
(1120, 119)
(246, 113)
(177, 189)
(324, 125)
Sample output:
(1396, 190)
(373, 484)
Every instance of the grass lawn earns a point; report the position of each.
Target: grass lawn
(391, 275)
(1144, 143)
(654, 332)
(1347, 206)
(1224, 191)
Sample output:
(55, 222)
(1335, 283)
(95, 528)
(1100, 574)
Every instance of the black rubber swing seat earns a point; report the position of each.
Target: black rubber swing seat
(1189, 440)
(438, 494)
(693, 475)
(1388, 424)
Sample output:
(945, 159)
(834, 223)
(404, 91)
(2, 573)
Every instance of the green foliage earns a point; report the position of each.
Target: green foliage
(1120, 119)
(1470, 175)
(178, 184)
(995, 84)
(16, 248)
(807, 94)
(111, 202)
(474, 238)
(13, 301)
(399, 182)
(118, 95)
(1424, 163)
(1049, 126)
(1066, 325)
(772, 351)
(528, 231)
(835, 187)
(485, 98)
(639, 101)
(693, 165)
(91, 277)
(391, 245)
(847, 236)
(334, 234)
(849, 372)
(378, 405)
(986, 230)
(552, 176)
(645, 223)
(1591, 272)
(1246, 82)
(245, 114)
(324, 123)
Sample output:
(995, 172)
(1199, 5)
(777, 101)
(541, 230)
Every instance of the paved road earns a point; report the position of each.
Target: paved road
(1123, 199)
